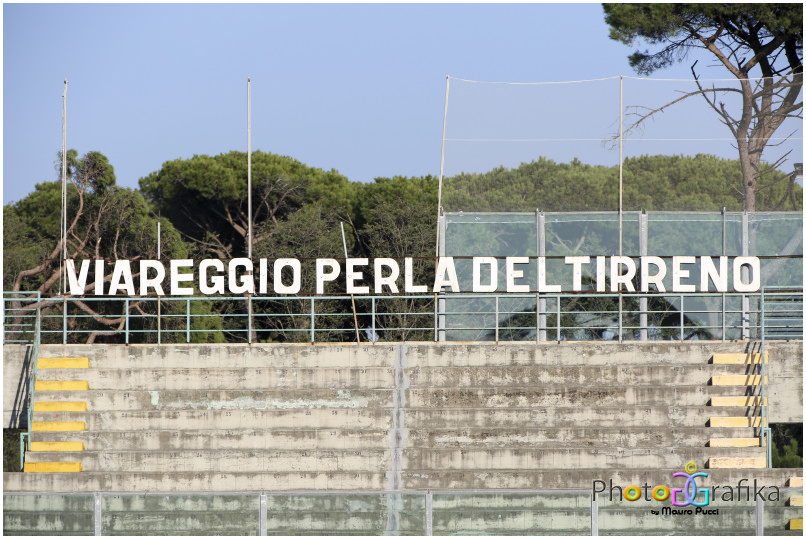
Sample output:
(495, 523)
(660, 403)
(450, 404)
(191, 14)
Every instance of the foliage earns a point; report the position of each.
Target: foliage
(207, 200)
(11, 449)
(104, 222)
(307, 234)
(787, 445)
(649, 183)
(742, 38)
(399, 217)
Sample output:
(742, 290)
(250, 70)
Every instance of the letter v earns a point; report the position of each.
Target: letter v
(77, 286)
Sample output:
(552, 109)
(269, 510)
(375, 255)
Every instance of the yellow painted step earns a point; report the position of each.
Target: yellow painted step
(58, 426)
(63, 363)
(739, 359)
(737, 401)
(736, 422)
(60, 406)
(795, 524)
(795, 481)
(734, 442)
(737, 462)
(52, 467)
(57, 446)
(68, 385)
(796, 501)
(738, 380)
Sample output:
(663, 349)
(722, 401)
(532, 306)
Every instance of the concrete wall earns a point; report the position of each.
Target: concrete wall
(398, 416)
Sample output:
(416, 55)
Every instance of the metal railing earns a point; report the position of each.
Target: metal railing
(442, 317)
(781, 317)
(26, 329)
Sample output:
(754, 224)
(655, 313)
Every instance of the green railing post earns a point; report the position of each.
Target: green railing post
(127, 320)
(313, 340)
(765, 431)
(187, 320)
(64, 320)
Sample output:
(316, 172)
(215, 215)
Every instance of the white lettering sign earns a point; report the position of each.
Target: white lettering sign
(237, 276)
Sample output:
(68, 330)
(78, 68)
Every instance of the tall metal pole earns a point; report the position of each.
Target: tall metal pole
(249, 190)
(620, 194)
(249, 158)
(62, 287)
(620, 161)
(442, 159)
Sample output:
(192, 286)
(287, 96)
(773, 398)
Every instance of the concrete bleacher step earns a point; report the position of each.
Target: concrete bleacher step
(738, 380)
(795, 481)
(133, 481)
(52, 467)
(737, 401)
(672, 416)
(739, 359)
(737, 462)
(324, 437)
(369, 378)
(423, 354)
(735, 442)
(416, 397)
(737, 421)
(278, 460)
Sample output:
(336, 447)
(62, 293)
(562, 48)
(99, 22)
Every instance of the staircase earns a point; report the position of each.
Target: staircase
(57, 377)
(740, 372)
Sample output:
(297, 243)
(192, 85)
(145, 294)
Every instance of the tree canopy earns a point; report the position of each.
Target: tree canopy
(207, 200)
(745, 39)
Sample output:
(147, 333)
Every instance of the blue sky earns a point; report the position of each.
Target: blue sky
(359, 88)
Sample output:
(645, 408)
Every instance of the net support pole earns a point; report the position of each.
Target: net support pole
(620, 194)
(442, 158)
(249, 200)
(63, 225)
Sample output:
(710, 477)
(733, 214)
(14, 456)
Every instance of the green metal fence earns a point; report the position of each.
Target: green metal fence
(439, 317)
(423, 513)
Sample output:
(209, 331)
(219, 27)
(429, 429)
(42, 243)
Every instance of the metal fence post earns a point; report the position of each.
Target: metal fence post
(643, 246)
(127, 320)
(64, 320)
(594, 516)
(759, 517)
(187, 321)
(496, 318)
(541, 251)
(312, 323)
(263, 524)
(97, 513)
(429, 520)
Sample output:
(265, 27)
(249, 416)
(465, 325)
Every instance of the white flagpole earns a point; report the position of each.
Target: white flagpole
(249, 190)
(62, 287)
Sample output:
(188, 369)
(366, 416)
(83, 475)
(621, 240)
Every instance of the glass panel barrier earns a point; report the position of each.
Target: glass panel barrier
(346, 514)
(48, 514)
(180, 514)
(516, 513)
(785, 515)
(641, 517)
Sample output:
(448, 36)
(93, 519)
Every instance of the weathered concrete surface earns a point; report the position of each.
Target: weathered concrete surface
(398, 417)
